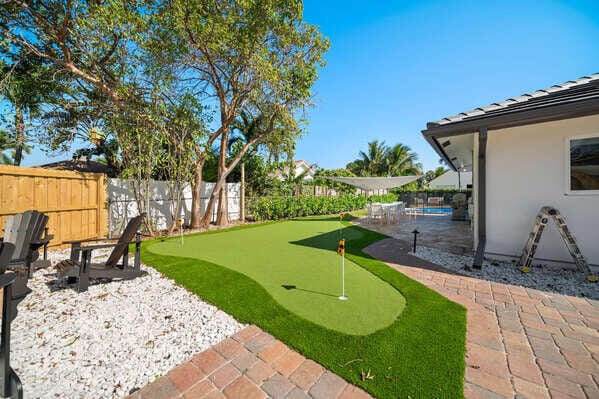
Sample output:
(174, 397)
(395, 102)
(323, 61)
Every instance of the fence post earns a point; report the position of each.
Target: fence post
(102, 222)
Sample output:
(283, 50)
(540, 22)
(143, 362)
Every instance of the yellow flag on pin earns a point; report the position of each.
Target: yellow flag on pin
(341, 247)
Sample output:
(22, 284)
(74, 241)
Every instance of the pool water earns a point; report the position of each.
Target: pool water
(438, 211)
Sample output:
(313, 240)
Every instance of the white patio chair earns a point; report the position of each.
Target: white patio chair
(397, 211)
(377, 211)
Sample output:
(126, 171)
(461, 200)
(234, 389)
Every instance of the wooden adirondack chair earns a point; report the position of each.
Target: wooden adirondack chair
(10, 384)
(27, 232)
(79, 267)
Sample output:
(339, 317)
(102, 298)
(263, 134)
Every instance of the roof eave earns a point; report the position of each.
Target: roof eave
(437, 147)
(517, 118)
(433, 132)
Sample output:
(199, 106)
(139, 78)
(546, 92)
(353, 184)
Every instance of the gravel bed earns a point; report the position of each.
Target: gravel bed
(567, 281)
(110, 340)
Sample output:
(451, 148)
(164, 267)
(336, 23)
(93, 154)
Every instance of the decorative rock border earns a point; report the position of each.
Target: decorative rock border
(112, 339)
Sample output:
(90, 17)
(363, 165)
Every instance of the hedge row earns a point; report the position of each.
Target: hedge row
(384, 198)
(289, 207)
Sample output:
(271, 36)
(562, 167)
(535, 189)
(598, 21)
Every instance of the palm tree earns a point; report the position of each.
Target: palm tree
(26, 84)
(372, 162)
(401, 161)
(382, 160)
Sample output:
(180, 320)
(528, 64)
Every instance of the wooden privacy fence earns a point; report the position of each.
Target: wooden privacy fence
(75, 202)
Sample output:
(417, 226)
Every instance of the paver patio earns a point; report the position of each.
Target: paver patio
(436, 231)
(521, 342)
(250, 365)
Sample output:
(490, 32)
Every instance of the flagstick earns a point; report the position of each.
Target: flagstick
(341, 250)
(181, 229)
(343, 297)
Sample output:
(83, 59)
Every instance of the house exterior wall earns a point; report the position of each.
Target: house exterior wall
(526, 169)
(450, 179)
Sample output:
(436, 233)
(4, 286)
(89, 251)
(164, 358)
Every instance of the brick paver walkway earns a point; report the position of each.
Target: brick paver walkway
(250, 365)
(521, 342)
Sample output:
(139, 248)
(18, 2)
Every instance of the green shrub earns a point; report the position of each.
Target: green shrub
(290, 207)
(384, 198)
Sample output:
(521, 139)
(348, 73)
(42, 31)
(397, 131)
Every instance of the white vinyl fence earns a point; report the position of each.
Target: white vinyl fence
(122, 205)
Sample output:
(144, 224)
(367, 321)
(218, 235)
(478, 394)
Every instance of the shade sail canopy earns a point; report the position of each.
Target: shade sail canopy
(374, 183)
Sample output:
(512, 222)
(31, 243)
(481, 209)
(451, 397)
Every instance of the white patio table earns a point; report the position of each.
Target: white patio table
(392, 211)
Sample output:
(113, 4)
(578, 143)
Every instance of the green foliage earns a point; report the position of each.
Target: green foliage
(5, 145)
(433, 174)
(383, 198)
(382, 160)
(259, 58)
(290, 207)
(27, 83)
(331, 184)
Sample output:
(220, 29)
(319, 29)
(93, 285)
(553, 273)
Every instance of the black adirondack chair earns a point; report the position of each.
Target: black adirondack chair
(10, 384)
(80, 269)
(28, 233)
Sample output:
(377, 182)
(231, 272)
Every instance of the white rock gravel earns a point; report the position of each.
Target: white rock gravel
(567, 281)
(114, 338)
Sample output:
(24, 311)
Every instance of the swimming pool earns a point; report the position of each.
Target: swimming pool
(432, 211)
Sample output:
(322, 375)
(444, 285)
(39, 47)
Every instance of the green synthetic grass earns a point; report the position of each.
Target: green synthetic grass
(297, 263)
(420, 354)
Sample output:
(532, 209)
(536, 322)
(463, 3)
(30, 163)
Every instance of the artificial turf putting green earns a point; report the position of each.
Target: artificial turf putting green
(419, 355)
(297, 263)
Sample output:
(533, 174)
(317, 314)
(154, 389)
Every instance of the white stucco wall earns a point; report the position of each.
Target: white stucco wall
(526, 169)
(450, 179)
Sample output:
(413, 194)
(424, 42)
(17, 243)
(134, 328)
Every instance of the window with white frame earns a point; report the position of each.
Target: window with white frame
(583, 164)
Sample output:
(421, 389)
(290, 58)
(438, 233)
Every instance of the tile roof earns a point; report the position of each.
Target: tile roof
(571, 91)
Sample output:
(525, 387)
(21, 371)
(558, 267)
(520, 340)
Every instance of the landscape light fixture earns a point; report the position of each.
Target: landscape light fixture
(415, 232)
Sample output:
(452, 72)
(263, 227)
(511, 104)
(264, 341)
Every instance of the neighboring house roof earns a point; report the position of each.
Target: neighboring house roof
(297, 164)
(302, 163)
(80, 166)
(571, 99)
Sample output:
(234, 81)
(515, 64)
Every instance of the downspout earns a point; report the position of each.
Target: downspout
(481, 187)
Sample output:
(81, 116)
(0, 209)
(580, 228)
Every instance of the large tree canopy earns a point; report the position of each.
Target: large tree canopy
(258, 56)
(131, 64)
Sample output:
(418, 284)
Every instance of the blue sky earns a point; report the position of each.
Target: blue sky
(395, 65)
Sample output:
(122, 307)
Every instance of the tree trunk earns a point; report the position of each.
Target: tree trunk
(221, 212)
(222, 216)
(207, 217)
(196, 194)
(20, 136)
